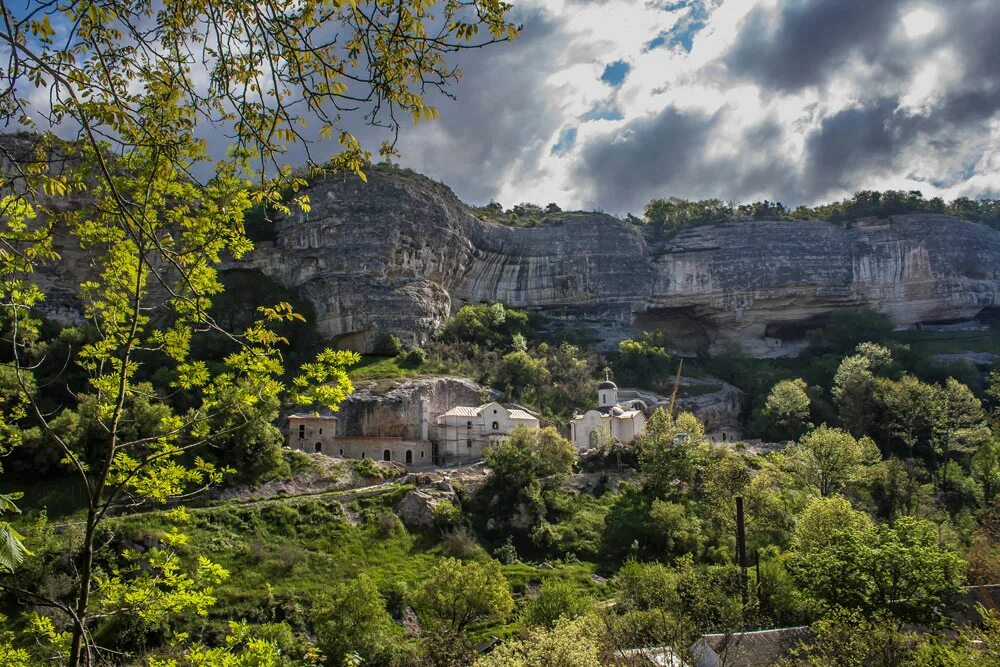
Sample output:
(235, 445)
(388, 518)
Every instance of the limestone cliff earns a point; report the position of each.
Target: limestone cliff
(402, 252)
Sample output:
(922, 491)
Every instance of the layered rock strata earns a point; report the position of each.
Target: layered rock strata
(401, 253)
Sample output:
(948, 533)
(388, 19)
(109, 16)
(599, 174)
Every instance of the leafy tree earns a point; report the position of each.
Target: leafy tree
(556, 599)
(644, 362)
(528, 455)
(787, 408)
(960, 428)
(846, 638)
(492, 324)
(897, 487)
(826, 459)
(669, 216)
(458, 593)
(670, 451)
(519, 371)
(352, 620)
(132, 79)
(909, 410)
(985, 468)
(571, 643)
(243, 647)
(645, 586)
(899, 569)
(854, 386)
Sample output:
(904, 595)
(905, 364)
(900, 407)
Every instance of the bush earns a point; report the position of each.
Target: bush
(415, 358)
(389, 346)
(460, 543)
(556, 599)
(388, 524)
(506, 553)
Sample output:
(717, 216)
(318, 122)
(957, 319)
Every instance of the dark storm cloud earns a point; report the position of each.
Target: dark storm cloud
(802, 42)
(667, 155)
(502, 116)
(641, 157)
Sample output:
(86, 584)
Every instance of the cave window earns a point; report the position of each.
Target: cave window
(421, 455)
(302, 431)
(496, 426)
(319, 447)
(362, 455)
(321, 431)
(341, 451)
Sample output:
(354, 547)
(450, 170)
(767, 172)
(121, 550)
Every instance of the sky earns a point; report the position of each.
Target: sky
(604, 105)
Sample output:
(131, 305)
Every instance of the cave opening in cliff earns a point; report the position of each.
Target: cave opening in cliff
(686, 331)
(794, 330)
(990, 316)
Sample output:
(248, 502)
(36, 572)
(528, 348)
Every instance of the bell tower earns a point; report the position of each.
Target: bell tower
(607, 392)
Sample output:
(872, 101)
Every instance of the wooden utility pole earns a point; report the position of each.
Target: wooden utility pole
(741, 549)
(677, 383)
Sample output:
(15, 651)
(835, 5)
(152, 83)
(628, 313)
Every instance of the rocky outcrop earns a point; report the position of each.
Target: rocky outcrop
(417, 508)
(715, 403)
(405, 408)
(401, 253)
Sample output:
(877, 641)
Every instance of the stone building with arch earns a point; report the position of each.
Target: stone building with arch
(321, 434)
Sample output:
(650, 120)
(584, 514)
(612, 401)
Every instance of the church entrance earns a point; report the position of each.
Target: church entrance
(409, 456)
(387, 455)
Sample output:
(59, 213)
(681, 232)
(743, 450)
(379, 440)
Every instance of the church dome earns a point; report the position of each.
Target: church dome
(607, 384)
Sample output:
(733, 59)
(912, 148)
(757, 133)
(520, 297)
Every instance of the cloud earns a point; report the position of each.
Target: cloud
(609, 103)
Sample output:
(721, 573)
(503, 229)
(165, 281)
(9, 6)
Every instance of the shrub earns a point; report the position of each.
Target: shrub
(415, 357)
(388, 524)
(460, 543)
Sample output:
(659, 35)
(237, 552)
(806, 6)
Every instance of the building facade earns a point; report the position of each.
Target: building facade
(320, 434)
(611, 419)
(464, 432)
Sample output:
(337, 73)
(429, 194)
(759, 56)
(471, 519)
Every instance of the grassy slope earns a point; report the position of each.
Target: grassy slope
(284, 554)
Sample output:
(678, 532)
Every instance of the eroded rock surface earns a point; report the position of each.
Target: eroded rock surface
(401, 253)
(404, 407)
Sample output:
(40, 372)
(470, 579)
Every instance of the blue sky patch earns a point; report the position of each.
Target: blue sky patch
(566, 140)
(603, 112)
(615, 73)
(683, 32)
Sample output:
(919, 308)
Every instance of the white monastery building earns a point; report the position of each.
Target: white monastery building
(464, 433)
(623, 422)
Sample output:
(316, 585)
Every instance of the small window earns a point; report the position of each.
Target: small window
(496, 426)
(321, 431)
(494, 411)
(342, 452)
(362, 455)
(302, 430)
(421, 455)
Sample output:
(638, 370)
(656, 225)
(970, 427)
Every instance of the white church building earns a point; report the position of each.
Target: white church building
(622, 421)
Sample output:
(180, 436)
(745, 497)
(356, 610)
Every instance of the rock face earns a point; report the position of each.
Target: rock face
(401, 253)
(404, 408)
(716, 403)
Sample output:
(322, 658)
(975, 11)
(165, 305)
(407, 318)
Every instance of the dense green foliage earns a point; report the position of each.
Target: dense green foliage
(669, 216)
